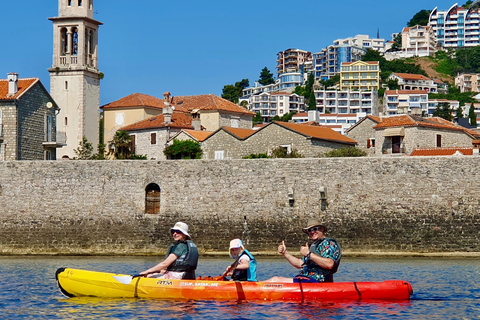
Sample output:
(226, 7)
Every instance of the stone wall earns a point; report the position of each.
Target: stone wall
(423, 204)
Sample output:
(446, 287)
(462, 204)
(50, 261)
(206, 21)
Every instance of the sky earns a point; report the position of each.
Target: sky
(194, 47)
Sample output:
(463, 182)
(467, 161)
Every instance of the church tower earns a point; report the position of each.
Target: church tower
(74, 75)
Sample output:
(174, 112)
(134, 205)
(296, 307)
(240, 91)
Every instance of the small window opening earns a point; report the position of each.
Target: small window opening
(152, 199)
(79, 3)
(439, 141)
(153, 138)
(66, 85)
(69, 3)
(66, 121)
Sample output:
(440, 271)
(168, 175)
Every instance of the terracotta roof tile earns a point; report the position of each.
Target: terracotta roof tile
(317, 132)
(208, 102)
(198, 135)
(239, 132)
(23, 86)
(179, 120)
(411, 76)
(441, 151)
(136, 100)
(410, 121)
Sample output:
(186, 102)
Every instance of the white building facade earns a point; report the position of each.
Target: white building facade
(346, 102)
(270, 105)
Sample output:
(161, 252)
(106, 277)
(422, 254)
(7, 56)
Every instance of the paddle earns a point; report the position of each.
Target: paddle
(233, 266)
(127, 279)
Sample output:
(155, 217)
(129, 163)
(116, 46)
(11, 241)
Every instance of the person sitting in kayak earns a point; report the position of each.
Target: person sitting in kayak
(320, 260)
(181, 259)
(245, 266)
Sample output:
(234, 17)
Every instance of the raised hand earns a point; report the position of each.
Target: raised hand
(282, 249)
(304, 250)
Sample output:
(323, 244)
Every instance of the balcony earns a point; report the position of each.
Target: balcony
(60, 141)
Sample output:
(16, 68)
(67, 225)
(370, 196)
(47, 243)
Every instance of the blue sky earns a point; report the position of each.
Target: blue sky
(194, 47)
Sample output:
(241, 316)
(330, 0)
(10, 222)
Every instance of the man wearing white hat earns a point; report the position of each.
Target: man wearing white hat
(320, 260)
(181, 259)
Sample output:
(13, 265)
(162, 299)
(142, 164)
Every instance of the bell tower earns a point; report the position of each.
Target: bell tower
(74, 75)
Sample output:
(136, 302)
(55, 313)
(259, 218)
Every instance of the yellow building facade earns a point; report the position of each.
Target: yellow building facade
(360, 76)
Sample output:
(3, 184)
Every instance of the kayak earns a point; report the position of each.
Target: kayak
(84, 283)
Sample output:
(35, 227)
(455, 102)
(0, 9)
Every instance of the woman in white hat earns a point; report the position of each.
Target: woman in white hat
(181, 259)
(320, 260)
(245, 266)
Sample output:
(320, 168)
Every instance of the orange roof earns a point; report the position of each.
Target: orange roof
(239, 132)
(179, 120)
(317, 132)
(411, 121)
(23, 86)
(198, 135)
(411, 76)
(441, 151)
(208, 102)
(358, 62)
(394, 92)
(136, 100)
(300, 114)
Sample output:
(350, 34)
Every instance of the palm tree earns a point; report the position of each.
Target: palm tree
(120, 145)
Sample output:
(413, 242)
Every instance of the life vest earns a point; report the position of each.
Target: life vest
(249, 274)
(186, 262)
(311, 269)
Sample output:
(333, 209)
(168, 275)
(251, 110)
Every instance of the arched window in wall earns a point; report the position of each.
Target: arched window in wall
(90, 5)
(63, 41)
(75, 42)
(152, 199)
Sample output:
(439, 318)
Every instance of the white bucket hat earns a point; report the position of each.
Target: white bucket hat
(235, 243)
(182, 227)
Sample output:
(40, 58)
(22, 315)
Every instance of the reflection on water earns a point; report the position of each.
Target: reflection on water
(443, 289)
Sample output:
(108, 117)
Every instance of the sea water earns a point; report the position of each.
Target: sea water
(443, 289)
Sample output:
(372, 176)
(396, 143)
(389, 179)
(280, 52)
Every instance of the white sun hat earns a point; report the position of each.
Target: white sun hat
(182, 227)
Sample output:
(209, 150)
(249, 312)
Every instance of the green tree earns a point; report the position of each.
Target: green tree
(266, 77)
(257, 119)
(345, 152)
(84, 150)
(331, 82)
(420, 18)
(256, 156)
(234, 92)
(120, 145)
(288, 116)
(467, 5)
(100, 155)
(276, 118)
(459, 113)
(443, 111)
(183, 149)
(393, 84)
(397, 43)
(472, 116)
(282, 152)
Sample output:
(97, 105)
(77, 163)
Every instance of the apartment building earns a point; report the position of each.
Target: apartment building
(410, 81)
(335, 121)
(360, 76)
(274, 104)
(346, 102)
(327, 62)
(418, 41)
(293, 60)
(456, 27)
(404, 102)
(468, 82)
(454, 105)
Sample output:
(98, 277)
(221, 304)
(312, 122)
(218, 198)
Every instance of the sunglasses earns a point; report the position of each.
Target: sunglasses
(175, 231)
(314, 229)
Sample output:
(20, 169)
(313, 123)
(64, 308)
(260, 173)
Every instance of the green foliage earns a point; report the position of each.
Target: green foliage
(84, 150)
(467, 5)
(331, 82)
(387, 67)
(472, 116)
(138, 157)
(420, 18)
(234, 92)
(459, 113)
(393, 84)
(345, 152)
(257, 118)
(100, 155)
(266, 77)
(454, 94)
(256, 156)
(397, 43)
(443, 111)
(185, 149)
(307, 92)
(288, 116)
(120, 145)
(281, 152)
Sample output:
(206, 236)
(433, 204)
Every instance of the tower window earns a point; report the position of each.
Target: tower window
(79, 3)
(66, 121)
(69, 3)
(74, 50)
(63, 41)
(66, 85)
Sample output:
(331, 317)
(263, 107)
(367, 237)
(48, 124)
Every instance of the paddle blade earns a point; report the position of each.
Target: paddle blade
(124, 279)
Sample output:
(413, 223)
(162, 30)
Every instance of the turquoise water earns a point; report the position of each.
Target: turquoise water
(443, 289)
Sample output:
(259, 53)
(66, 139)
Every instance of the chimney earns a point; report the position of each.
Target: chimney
(313, 116)
(476, 147)
(167, 111)
(12, 83)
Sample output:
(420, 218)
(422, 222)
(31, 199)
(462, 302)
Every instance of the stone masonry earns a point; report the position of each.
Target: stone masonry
(424, 204)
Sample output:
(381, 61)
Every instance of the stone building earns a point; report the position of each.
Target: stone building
(27, 120)
(401, 134)
(74, 75)
(309, 140)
